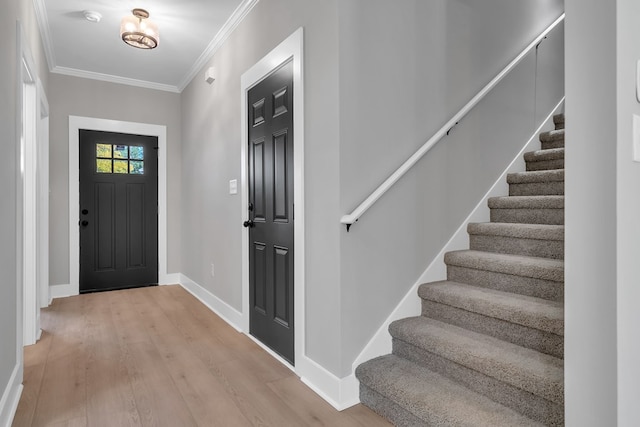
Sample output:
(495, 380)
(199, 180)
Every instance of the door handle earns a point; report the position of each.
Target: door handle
(249, 224)
(84, 223)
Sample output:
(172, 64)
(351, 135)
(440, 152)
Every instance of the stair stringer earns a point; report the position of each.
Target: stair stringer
(410, 305)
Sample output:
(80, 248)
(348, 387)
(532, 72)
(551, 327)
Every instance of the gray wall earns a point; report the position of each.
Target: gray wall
(91, 98)
(12, 11)
(590, 214)
(628, 204)
(373, 94)
(211, 225)
(405, 69)
(8, 175)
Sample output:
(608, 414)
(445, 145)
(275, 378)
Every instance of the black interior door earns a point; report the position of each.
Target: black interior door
(118, 211)
(271, 211)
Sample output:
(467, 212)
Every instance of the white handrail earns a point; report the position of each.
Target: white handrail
(351, 218)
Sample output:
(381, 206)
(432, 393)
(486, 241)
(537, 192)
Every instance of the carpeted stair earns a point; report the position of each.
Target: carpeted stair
(488, 347)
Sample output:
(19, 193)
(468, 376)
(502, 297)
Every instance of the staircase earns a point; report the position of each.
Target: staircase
(488, 348)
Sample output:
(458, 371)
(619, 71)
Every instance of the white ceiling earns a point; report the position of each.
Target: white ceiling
(190, 33)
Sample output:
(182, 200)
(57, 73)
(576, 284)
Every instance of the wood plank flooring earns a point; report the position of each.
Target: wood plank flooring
(158, 357)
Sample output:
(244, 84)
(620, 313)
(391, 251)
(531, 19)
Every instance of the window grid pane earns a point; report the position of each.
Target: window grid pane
(120, 159)
(103, 166)
(136, 153)
(103, 151)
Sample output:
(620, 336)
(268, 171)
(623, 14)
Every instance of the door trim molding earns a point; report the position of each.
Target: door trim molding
(75, 124)
(290, 49)
(28, 228)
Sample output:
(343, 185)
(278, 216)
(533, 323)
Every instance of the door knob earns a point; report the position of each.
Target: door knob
(249, 224)
(85, 223)
(85, 211)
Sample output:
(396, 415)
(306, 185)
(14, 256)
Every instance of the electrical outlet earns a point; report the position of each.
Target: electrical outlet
(213, 270)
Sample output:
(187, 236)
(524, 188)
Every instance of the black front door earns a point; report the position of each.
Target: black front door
(118, 211)
(271, 211)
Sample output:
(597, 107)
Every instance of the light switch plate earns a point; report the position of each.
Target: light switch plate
(233, 186)
(636, 138)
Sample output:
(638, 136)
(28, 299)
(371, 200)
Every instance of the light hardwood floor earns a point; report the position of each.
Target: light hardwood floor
(158, 357)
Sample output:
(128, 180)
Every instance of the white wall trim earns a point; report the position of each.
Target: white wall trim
(43, 196)
(171, 279)
(341, 393)
(45, 32)
(289, 49)
(410, 305)
(28, 136)
(234, 20)
(62, 291)
(75, 124)
(11, 397)
(227, 313)
(74, 72)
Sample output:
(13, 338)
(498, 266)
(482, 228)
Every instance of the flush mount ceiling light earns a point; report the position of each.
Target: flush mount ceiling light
(139, 31)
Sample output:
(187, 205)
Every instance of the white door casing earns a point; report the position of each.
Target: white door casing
(291, 48)
(75, 124)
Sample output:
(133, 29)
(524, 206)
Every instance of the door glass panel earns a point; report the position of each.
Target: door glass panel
(103, 150)
(136, 153)
(120, 151)
(103, 165)
(121, 159)
(136, 167)
(120, 166)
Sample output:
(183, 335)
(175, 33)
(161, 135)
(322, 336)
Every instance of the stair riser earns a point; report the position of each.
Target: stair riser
(528, 216)
(548, 145)
(530, 405)
(524, 336)
(539, 288)
(388, 409)
(555, 188)
(545, 165)
(553, 249)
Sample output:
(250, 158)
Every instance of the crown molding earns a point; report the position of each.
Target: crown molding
(45, 32)
(114, 79)
(234, 20)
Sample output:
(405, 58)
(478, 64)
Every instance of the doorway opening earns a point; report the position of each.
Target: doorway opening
(77, 123)
(33, 194)
(290, 49)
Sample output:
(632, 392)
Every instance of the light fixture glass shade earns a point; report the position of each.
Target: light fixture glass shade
(139, 31)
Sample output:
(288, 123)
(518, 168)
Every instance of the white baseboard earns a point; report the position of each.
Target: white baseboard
(169, 279)
(229, 314)
(341, 393)
(410, 305)
(61, 291)
(10, 398)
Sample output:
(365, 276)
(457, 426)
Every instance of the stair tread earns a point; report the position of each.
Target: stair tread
(527, 311)
(526, 202)
(518, 265)
(434, 398)
(553, 175)
(543, 155)
(529, 370)
(517, 230)
(552, 135)
(558, 119)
